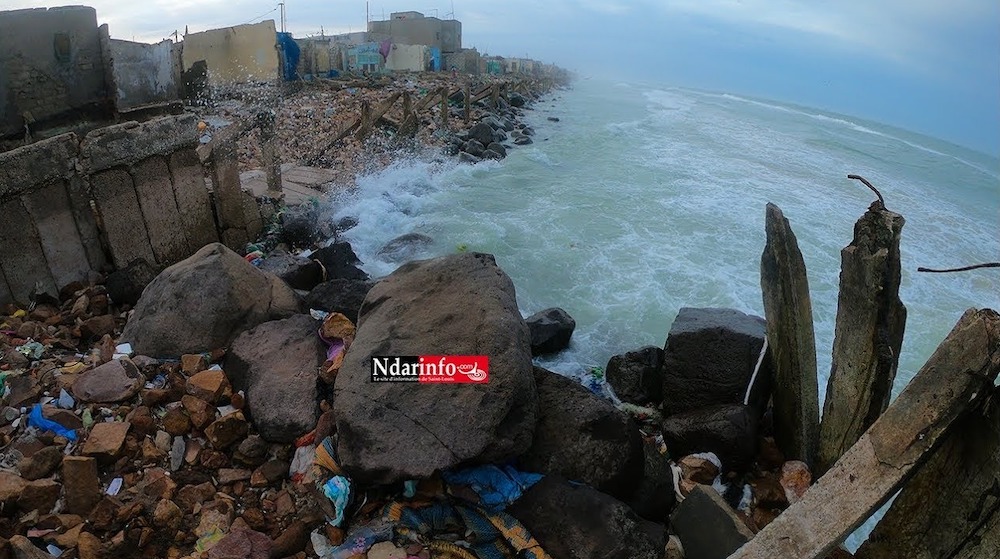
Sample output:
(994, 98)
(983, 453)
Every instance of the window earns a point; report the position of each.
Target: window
(61, 45)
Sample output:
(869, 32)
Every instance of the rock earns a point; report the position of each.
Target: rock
(24, 549)
(203, 302)
(242, 544)
(698, 469)
(768, 492)
(386, 550)
(296, 271)
(300, 225)
(554, 119)
(276, 365)
(497, 147)
(516, 100)
(94, 328)
(474, 147)
(655, 495)
(228, 476)
(167, 515)
(468, 158)
(339, 262)
(706, 526)
(210, 386)
(106, 440)
(226, 430)
(89, 546)
(550, 330)
(674, 549)
(252, 450)
(345, 224)
(292, 540)
(730, 431)
(40, 464)
(114, 381)
(11, 486)
(66, 418)
(482, 133)
(637, 376)
(709, 358)
(578, 522)
(271, 471)
(125, 286)
(523, 141)
(201, 412)
(405, 247)
(176, 422)
(340, 295)
(582, 437)
(790, 335)
(490, 154)
(461, 304)
(81, 485)
(191, 495)
(192, 363)
(795, 479)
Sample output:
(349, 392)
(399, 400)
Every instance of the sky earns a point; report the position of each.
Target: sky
(931, 66)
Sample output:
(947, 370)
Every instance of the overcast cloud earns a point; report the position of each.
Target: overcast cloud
(930, 66)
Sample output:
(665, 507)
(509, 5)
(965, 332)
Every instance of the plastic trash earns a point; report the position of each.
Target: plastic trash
(410, 488)
(301, 462)
(496, 487)
(326, 456)
(208, 540)
(114, 487)
(87, 418)
(38, 421)
(318, 314)
(337, 332)
(53, 550)
(123, 349)
(31, 349)
(338, 490)
(65, 401)
(321, 545)
(360, 540)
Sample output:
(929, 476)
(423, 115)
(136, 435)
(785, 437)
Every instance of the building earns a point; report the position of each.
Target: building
(414, 28)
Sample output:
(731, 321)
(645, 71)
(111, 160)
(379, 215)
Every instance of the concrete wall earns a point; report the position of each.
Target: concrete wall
(316, 56)
(143, 74)
(412, 58)
(465, 60)
(413, 30)
(364, 58)
(50, 66)
(127, 191)
(241, 54)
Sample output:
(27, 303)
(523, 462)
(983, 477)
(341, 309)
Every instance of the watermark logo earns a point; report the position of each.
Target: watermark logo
(447, 369)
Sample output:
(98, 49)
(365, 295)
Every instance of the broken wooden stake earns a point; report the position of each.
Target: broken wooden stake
(951, 507)
(468, 102)
(444, 108)
(409, 125)
(869, 333)
(788, 309)
(959, 373)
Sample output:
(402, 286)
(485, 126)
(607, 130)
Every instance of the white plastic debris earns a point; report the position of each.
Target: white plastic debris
(53, 550)
(318, 315)
(215, 367)
(746, 500)
(65, 401)
(124, 348)
(114, 487)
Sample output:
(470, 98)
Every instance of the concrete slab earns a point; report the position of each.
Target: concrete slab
(163, 221)
(193, 201)
(125, 143)
(118, 206)
(86, 222)
(299, 184)
(52, 214)
(21, 254)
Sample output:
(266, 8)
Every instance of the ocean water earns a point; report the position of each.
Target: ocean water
(644, 199)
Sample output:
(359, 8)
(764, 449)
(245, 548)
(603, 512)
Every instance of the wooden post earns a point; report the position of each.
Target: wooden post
(495, 95)
(955, 378)
(409, 124)
(951, 507)
(269, 153)
(444, 108)
(869, 333)
(468, 102)
(788, 309)
(366, 121)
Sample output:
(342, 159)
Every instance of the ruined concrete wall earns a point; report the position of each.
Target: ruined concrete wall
(143, 73)
(51, 63)
(241, 54)
(124, 192)
(465, 60)
(429, 31)
(413, 58)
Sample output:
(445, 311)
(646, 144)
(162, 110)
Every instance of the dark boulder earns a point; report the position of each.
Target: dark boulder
(474, 147)
(551, 330)
(490, 154)
(707, 527)
(460, 304)
(709, 358)
(498, 148)
(517, 100)
(728, 430)
(523, 141)
(655, 496)
(482, 133)
(125, 286)
(298, 272)
(276, 364)
(582, 437)
(203, 302)
(300, 225)
(637, 376)
(579, 522)
(339, 262)
(404, 247)
(340, 295)
(469, 158)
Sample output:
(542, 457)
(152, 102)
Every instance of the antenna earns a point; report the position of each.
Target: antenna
(282, 4)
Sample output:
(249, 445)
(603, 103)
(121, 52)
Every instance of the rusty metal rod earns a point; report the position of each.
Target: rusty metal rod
(869, 185)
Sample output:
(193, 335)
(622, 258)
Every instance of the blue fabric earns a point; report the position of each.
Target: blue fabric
(35, 419)
(497, 487)
(338, 490)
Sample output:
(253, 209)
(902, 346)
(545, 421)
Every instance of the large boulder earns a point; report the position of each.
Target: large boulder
(296, 271)
(709, 358)
(125, 286)
(405, 247)
(340, 295)
(550, 330)
(579, 522)
(276, 364)
(462, 304)
(656, 495)
(339, 262)
(482, 133)
(582, 437)
(707, 527)
(637, 376)
(728, 430)
(203, 302)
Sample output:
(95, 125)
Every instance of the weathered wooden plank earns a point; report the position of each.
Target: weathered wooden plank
(467, 115)
(790, 336)
(951, 507)
(869, 333)
(959, 372)
(121, 219)
(444, 109)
